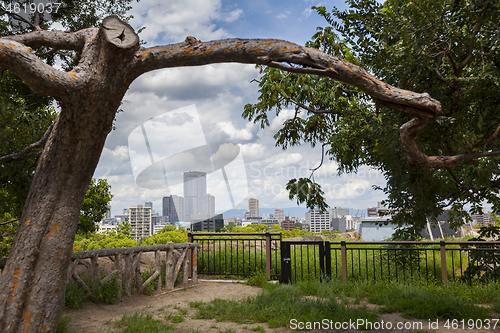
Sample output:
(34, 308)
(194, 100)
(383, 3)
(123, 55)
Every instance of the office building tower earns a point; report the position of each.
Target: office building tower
(195, 186)
(337, 212)
(279, 215)
(196, 199)
(253, 207)
(173, 208)
(208, 204)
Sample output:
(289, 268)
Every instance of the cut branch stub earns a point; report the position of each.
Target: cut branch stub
(119, 33)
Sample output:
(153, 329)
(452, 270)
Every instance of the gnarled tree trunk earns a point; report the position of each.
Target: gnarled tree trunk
(34, 280)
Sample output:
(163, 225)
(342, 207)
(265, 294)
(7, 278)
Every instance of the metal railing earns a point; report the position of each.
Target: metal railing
(242, 253)
(437, 261)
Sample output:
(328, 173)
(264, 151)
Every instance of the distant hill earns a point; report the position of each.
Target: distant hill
(292, 211)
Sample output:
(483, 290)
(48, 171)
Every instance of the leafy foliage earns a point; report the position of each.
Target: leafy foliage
(119, 237)
(448, 49)
(7, 233)
(169, 234)
(95, 205)
(485, 265)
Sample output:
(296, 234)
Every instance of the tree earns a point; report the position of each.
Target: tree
(449, 49)
(26, 118)
(107, 60)
(95, 205)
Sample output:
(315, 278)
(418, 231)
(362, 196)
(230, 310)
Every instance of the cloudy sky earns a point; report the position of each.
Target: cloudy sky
(184, 119)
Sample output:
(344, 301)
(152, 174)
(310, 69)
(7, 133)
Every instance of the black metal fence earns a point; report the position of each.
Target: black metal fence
(438, 261)
(243, 254)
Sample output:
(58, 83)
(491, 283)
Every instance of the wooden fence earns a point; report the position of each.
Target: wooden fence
(126, 267)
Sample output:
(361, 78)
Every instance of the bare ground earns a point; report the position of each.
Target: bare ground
(94, 318)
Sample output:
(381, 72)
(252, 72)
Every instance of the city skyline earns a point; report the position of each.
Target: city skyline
(220, 93)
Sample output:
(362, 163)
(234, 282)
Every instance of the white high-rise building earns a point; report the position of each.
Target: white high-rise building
(208, 204)
(195, 187)
(279, 215)
(253, 207)
(318, 221)
(140, 221)
(196, 199)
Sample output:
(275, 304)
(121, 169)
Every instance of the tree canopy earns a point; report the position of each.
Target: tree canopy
(448, 49)
(95, 205)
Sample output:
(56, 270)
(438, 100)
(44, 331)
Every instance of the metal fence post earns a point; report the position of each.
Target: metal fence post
(444, 274)
(268, 254)
(321, 260)
(286, 264)
(328, 260)
(343, 258)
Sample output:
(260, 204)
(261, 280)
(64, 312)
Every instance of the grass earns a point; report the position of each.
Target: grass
(414, 301)
(75, 296)
(144, 323)
(63, 324)
(276, 306)
(309, 301)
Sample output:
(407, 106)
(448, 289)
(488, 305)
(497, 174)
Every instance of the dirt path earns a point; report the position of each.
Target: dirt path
(97, 318)
(94, 318)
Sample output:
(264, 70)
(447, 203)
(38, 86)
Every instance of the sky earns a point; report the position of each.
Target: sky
(189, 119)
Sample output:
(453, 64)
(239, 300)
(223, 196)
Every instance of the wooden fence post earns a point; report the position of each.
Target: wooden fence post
(169, 270)
(190, 267)
(343, 258)
(94, 267)
(268, 255)
(128, 273)
(158, 270)
(137, 272)
(118, 267)
(444, 273)
(186, 268)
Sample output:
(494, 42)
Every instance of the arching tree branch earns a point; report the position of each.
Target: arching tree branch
(275, 53)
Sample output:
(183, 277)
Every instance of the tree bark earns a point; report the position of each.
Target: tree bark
(33, 283)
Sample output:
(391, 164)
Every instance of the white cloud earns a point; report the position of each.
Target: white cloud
(284, 159)
(201, 82)
(283, 15)
(307, 12)
(235, 133)
(254, 151)
(174, 20)
(233, 15)
(277, 122)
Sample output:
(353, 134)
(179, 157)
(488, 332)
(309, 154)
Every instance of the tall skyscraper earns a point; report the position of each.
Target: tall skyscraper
(195, 187)
(253, 207)
(173, 207)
